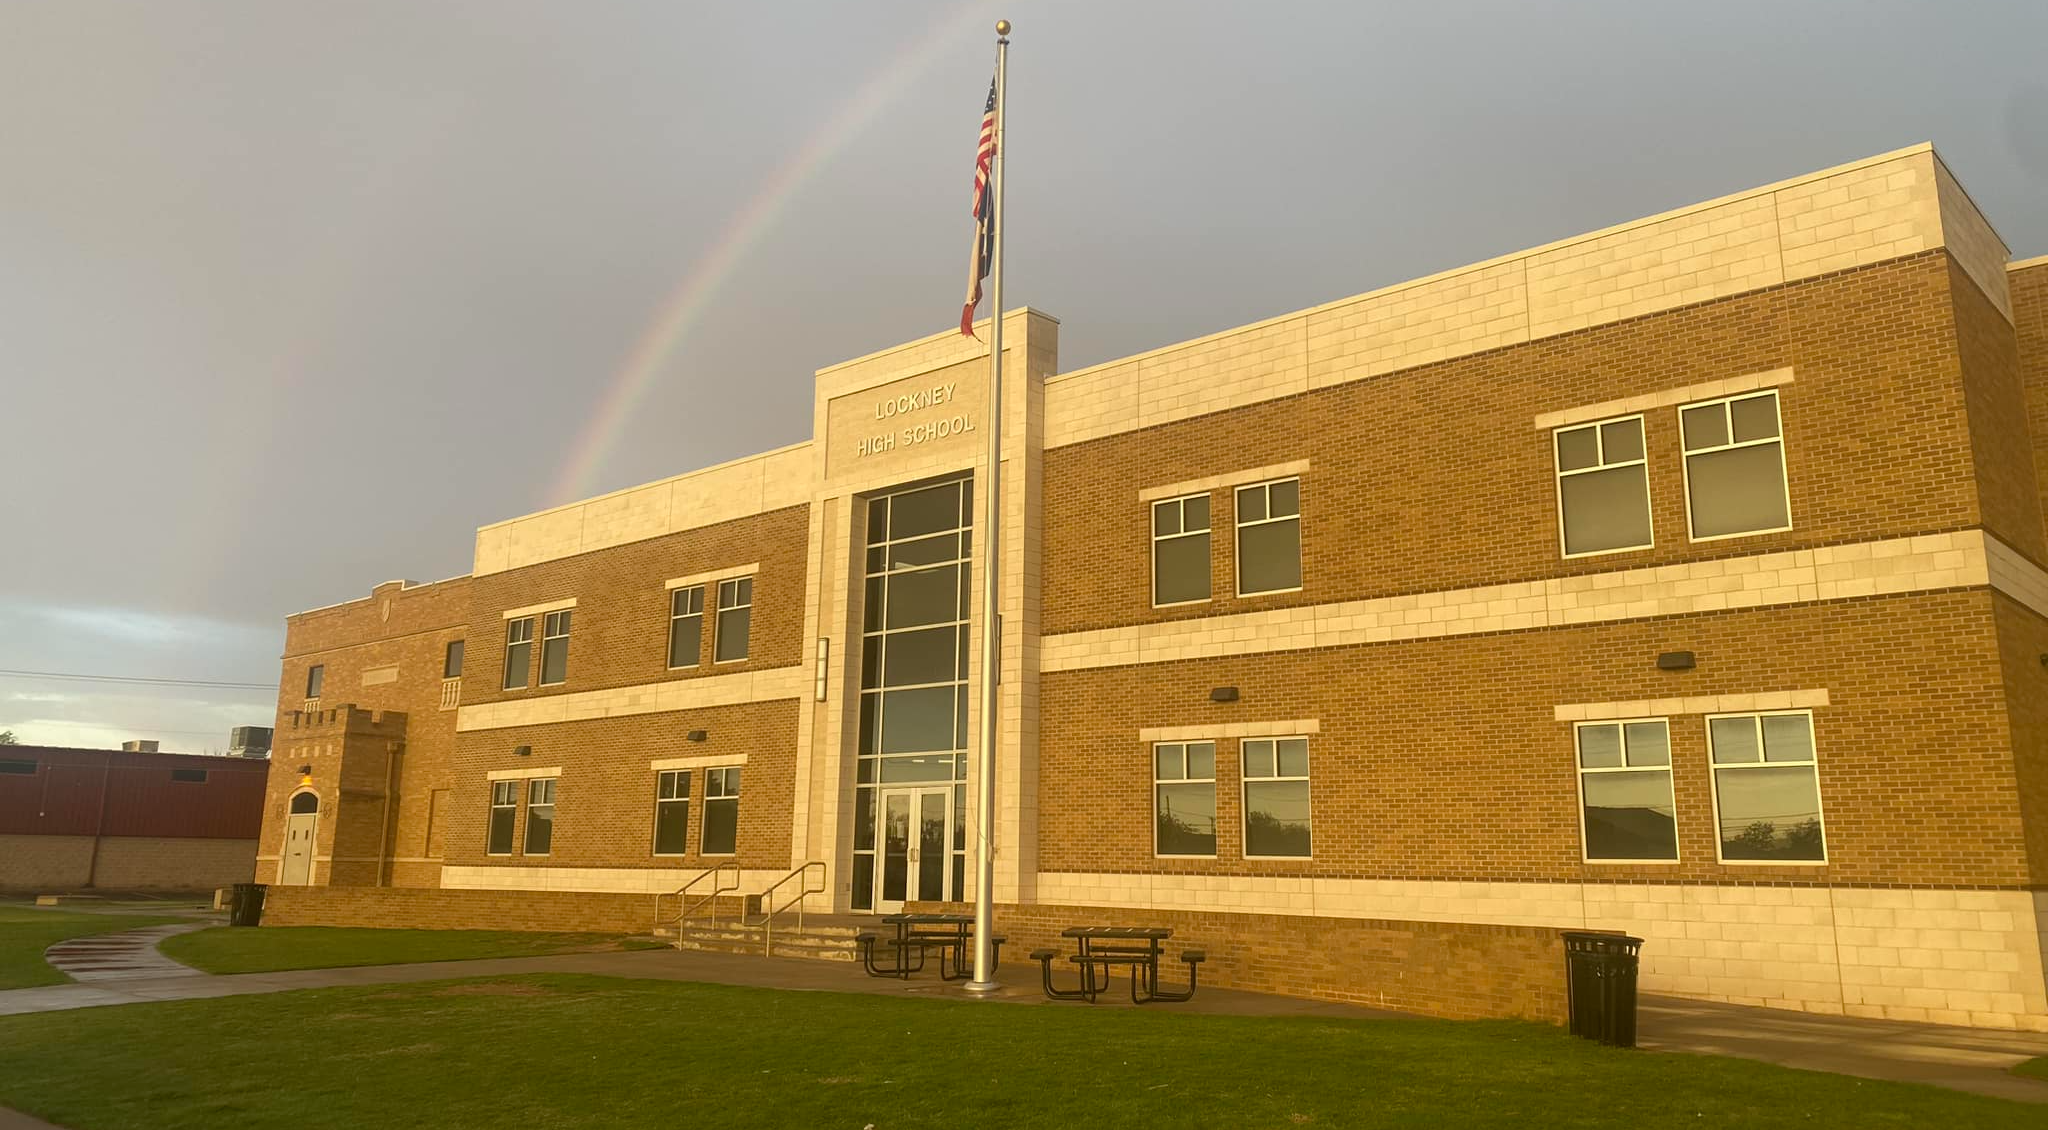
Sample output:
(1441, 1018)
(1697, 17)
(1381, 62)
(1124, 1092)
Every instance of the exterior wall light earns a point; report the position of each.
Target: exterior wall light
(522, 751)
(1223, 694)
(1675, 661)
(697, 735)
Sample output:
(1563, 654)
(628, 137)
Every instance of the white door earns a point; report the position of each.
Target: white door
(916, 860)
(296, 869)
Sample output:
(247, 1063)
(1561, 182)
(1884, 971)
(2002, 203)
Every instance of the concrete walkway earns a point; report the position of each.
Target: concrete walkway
(130, 955)
(1966, 1059)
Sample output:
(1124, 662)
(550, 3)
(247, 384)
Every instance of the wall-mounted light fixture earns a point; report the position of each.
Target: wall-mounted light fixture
(1675, 661)
(697, 735)
(1223, 694)
(305, 774)
(522, 751)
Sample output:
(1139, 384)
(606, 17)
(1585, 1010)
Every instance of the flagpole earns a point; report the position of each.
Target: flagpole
(991, 573)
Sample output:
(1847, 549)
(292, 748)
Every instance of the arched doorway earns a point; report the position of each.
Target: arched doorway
(300, 825)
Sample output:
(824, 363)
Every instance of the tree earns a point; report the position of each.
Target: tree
(7, 738)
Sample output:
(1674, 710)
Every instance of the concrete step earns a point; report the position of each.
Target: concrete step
(824, 942)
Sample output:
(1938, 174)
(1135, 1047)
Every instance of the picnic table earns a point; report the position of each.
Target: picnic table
(1097, 948)
(915, 934)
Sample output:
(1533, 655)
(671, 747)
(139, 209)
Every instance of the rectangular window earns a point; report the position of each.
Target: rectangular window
(1184, 798)
(24, 768)
(451, 660)
(686, 626)
(1603, 487)
(189, 776)
(1766, 788)
(1276, 817)
(1269, 537)
(540, 816)
(735, 614)
(1626, 810)
(672, 812)
(504, 811)
(1180, 550)
(554, 648)
(315, 675)
(1734, 467)
(518, 652)
(721, 811)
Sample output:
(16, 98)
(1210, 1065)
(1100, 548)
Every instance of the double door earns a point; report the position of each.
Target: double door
(916, 860)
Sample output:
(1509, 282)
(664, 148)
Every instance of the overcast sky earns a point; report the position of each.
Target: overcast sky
(294, 295)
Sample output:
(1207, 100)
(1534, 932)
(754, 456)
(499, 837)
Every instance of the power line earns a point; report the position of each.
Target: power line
(135, 680)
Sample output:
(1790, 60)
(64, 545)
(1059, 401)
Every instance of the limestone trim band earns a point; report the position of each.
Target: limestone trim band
(523, 774)
(1234, 478)
(1290, 728)
(1694, 704)
(645, 698)
(1669, 398)
(703, 762)
(1897, 565)
(537, 609)
(705, 578)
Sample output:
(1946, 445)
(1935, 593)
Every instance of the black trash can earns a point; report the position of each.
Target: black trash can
(1600, 980)
(246, 907)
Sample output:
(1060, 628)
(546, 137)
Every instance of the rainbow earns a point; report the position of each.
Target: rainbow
(684, 306)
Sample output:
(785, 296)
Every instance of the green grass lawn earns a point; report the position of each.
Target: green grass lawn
(557, 1050)
(2034, 1068)
(26, 932)
(267, 949)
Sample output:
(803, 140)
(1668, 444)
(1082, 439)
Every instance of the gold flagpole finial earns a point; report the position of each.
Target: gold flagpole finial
(1002, 27)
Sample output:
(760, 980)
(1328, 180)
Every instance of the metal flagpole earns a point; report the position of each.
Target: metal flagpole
(991, 574)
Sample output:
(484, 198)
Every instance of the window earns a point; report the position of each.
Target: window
(1269, 537)
(735, 613)
(1603, 487)
(24, 768)
(1766, 788)
(554, 648)
(672, 812)
(1180, 550)
(504, 810)
(315, 675)
(451, 661)
(686, 626)
(1734, 467)
(1626, 811)
(518, 652)
(1184, 798)
(540, 816)
(721, 811)
(189, 776)
(1276, 820)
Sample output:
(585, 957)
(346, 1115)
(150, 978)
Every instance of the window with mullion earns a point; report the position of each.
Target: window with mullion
(1766, 788)
(1269, 537)
(1734, 467)
(672, 812)
(735, 619)
(554, 648)
(518, 653)
(1276, 798)
(686, 626)
(1626, 810)
(540, 816)
(1180, 550)
(1603, 487)
(1184, 799)
(504, 814)
(721, 811)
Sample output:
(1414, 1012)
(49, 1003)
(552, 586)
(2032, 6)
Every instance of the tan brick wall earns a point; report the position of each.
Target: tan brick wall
(400, 909)
(1995, 399)
(52, 864)
(1453, 969)
(1435, 478)
(619, 631)
(2029, 288)
(1443, 760)
(604, 808)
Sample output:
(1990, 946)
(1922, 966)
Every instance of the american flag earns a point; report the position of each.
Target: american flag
(984, 214)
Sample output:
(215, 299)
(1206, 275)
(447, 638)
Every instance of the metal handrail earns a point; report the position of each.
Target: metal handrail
(719, 886)
(769, 911)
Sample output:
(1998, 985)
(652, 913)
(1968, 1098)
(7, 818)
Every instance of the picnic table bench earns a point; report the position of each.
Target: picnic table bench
(1098, 948)
(915, 935)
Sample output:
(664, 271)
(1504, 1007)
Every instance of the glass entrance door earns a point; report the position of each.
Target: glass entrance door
(916, 859)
